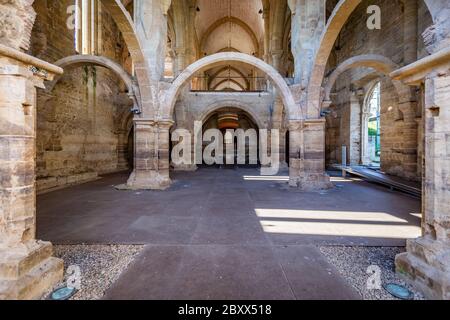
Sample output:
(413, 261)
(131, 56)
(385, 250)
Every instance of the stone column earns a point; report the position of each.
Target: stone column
(426, 264)
(150, 19)
(410, 31)
(282, 149)
(409, 145)
(151, 159)
(276, 59)
(180, 60)
(308, 23)
(266, 17)
(307, 155)
(27, 268)
(354, 142)
(122, 150)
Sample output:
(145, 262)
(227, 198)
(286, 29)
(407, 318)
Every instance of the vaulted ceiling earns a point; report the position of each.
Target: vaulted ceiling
(235, 25)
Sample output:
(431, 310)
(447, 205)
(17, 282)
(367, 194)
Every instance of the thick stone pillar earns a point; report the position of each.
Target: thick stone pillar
(426, 264)
(308, 23)
(307, 155)
(27, 268)
(151, 159)
(150, 19)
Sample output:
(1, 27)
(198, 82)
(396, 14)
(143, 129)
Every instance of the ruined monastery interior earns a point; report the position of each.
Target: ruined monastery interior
(93, 92)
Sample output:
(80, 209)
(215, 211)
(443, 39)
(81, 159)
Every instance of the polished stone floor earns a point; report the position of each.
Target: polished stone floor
(229, 234)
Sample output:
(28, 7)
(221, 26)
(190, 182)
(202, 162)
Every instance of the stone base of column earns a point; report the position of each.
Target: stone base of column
(185, 168)
(283, 166)
(308, 176)
(28, 272)
(426, 266)
(148, 180)
(311, 182)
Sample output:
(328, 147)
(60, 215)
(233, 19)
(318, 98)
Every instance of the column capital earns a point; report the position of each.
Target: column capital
(165, 124)
(295, 125)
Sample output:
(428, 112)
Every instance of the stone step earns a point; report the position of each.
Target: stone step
(37, 282)
(14, 264)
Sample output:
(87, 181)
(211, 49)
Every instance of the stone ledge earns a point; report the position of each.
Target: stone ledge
(434, 283)
(417, 71)
(27, 59)
(35, 283)
(55, 183)
(15, 263)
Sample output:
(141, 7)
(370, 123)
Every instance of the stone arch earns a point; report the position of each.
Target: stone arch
(125, 24)
(436, 7)
(380, 63)
(80, 60)
(171, 95)
(336, 22)
(231, 103)
(230, 49)
(234, 20)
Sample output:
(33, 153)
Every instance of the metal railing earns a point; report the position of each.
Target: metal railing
(229, 84)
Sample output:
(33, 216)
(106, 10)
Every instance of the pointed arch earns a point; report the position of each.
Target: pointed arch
(236, 21)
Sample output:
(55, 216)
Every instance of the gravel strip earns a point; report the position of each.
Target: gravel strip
(100, 266)
(353, 264)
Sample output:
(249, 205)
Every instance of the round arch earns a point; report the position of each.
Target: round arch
(230, 103)
(125, 24)
(379, 63)
(336, 22)
(234, 20)
(76, 61)
(229, 49)
(170, 98)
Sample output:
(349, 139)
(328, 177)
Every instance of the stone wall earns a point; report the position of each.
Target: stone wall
(397, 136)
(78, 121)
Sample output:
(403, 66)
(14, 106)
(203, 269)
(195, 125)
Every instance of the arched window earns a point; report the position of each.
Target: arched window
(372, 148)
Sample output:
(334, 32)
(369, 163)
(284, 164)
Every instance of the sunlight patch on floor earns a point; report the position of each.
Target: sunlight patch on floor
(336, 223)
(266, 178)
(341, 229)
(328, 215)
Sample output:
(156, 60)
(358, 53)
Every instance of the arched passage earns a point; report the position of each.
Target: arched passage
(171, 95)
(237, 151)
(233, 104)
